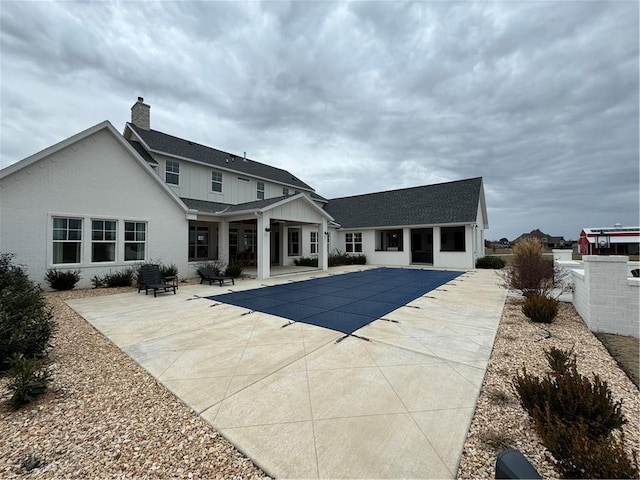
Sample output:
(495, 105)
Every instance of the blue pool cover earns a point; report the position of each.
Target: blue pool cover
(343, 303)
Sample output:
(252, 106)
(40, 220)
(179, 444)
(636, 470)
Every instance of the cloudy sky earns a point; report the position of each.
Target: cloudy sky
(538, 97)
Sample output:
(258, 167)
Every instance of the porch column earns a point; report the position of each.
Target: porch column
(223, 242)
(323, 257)
(263, 253)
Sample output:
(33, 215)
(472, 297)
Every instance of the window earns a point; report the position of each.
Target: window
(260, 191)
(135, 240)
(172, 172)
(353, 242)
(198, 242)
(452, 239)
(293, 248)
(285, 191)
(103, 241)
(67, 240)
(216, 182)
(249, 240)
(314, 242)
(390, 240)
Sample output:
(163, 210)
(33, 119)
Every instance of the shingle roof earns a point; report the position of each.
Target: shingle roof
(140, 149)
(161, 142)
(451, 202)
(216, 207)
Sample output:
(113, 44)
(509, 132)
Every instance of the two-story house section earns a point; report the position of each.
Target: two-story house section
(226, 194)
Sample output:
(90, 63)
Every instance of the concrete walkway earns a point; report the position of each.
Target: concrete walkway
(301, 405)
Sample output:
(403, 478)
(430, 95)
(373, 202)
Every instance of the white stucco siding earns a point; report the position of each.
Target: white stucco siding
(95, 178)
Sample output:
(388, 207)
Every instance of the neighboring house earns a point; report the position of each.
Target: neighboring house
(621, 240)
(100, 201)
(547, 241)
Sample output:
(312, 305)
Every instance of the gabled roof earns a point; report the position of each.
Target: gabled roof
(223, 209)
(443, 203)
(167, 144)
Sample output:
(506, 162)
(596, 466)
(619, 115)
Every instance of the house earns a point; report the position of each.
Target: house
(547, 241)
(100, 201)
(617, 240)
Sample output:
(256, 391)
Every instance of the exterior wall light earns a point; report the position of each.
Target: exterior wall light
(603, 241)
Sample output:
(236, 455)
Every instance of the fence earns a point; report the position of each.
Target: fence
(605, 294)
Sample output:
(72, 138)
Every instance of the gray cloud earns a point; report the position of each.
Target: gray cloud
(540, 98)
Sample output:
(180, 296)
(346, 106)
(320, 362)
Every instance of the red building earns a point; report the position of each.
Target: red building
(616, 240)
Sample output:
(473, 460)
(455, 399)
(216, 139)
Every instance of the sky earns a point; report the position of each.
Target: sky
(540, 98)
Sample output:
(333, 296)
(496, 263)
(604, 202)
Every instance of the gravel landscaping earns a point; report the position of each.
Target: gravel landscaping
(104, 416)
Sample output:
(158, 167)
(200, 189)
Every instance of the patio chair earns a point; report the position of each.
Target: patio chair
(151, 280)
(208, 275)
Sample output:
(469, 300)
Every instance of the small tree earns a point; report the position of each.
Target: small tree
(529, 272)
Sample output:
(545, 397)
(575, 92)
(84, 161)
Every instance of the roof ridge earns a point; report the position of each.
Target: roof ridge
(407, 188)
(192, 143)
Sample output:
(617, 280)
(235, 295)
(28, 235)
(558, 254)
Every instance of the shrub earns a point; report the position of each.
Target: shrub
(490, 262)
(574, 417)
(306, 262)
(62, 279)
(540, 308)
(218, 267)
(578, 455)
(529, 272)
(26, 323)
(28, 378)
(233, 270)
(341, 258)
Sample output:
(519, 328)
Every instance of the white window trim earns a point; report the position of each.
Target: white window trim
(115, 241)
(214, 172)
(51, 241)
(167, 172)
(260, 190)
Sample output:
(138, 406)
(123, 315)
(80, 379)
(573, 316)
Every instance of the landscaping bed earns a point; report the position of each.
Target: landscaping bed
(500, 422)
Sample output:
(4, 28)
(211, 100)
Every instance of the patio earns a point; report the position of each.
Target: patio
(301, 405)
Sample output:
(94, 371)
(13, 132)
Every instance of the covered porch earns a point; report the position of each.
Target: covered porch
(259, 235)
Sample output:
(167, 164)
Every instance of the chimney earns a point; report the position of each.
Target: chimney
(140, 116)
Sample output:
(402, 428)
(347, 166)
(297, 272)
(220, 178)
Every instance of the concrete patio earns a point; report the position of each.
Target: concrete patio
(302, 405)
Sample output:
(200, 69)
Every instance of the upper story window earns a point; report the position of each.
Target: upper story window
(216, 181)
(67, 240)
(452, 239)
(260, 191)
(103, 240)
(172, 173)
(285, 191)
(135, 240)
(353, 242)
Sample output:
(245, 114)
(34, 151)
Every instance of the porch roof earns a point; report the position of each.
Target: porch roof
(218, 208)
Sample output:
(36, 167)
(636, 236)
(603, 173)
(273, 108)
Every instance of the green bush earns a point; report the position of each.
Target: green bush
(341, 258)
(28, 378)
(62, 279)
(306, 262)
(26, 323)
(215, 265)
(233, 270)
(540, 308)
(495, 263)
